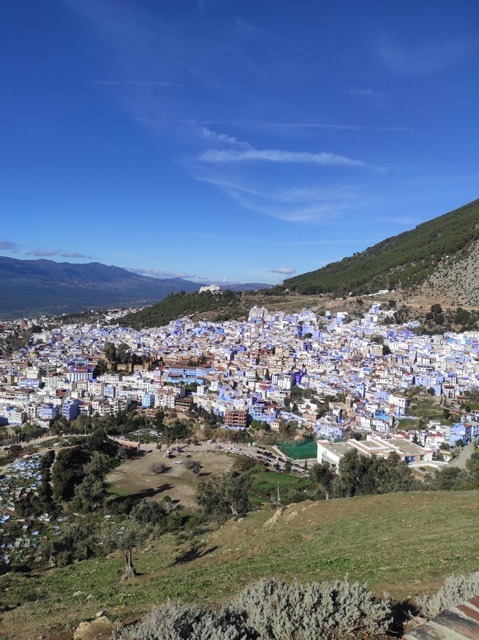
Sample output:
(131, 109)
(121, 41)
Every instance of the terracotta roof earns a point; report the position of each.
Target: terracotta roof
(457, 623)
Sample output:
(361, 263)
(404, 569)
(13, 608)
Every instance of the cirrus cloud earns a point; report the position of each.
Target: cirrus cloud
(275, 155)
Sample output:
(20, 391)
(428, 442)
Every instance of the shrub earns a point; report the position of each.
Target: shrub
(456, 589)
(277, 611)
(193, 465)
(159, 467)
(175, 621)
(272, 610)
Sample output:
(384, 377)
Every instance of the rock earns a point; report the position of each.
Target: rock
(99, 629)
(277, 514)
(99, 614)
(291, 515)
(77, 594)
(90, 596)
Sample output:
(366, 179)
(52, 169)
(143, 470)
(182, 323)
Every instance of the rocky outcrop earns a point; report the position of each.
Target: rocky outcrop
(99, 629)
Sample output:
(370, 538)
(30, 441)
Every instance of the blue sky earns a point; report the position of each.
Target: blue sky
(239, 141)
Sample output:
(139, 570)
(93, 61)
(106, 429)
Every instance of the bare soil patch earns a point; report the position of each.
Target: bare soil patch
(179, 483)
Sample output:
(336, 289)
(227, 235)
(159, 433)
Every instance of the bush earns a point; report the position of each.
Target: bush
(175, 621)
(193, 465)
(273, 610)
(457, 589)
(277, 611)
(159, 467)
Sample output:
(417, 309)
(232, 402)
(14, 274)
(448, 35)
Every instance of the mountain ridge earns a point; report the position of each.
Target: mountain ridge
(405, 261)
(38, 287)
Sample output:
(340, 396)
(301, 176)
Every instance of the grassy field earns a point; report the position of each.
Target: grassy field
(402, 543)
(266, 485)
(301, 451)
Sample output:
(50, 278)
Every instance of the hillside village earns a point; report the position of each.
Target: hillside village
(344, 383)
(250, 371)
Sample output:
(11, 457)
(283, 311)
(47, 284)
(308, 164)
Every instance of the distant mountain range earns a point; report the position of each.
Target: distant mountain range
(439, 259)
(35, 287)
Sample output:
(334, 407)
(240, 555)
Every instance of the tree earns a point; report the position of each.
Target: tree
(323, 476)
(45, 492)
(362, 475)
(125, 536)
(123, 355)
(150, 513)
(77, 541)
(472, 466)
(226, 496)
(31, 431)
(68, 472)
(99, 441)
(449, 479)
(110, 352)
(100, 368)
(91, 492)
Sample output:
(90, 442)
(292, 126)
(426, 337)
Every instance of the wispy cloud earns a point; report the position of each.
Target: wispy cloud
(368, 93)
(42, 253)
(252, 30)
(209, 134)
(274, 155)
(291, 205)
(408, 221)
(73, 254)
(49, 253)
(287, 271)
(302, 125)
(424, 59)
(158, 273)
(138, 83)
(7, 245)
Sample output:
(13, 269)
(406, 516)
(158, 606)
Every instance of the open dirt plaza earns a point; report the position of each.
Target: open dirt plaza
(135, 476)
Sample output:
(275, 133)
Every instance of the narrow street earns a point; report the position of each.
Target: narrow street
(463, 457)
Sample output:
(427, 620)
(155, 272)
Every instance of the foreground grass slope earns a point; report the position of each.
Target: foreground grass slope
(403, 543)
(406, 259)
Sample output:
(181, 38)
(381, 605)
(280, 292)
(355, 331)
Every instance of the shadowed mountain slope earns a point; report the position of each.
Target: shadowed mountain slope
(33, 287)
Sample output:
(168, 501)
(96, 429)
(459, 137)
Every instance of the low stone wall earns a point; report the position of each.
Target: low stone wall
(457, 623)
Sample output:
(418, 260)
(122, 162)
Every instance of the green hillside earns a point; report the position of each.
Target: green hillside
(405, 543)
(224, 305)
(404, 260)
